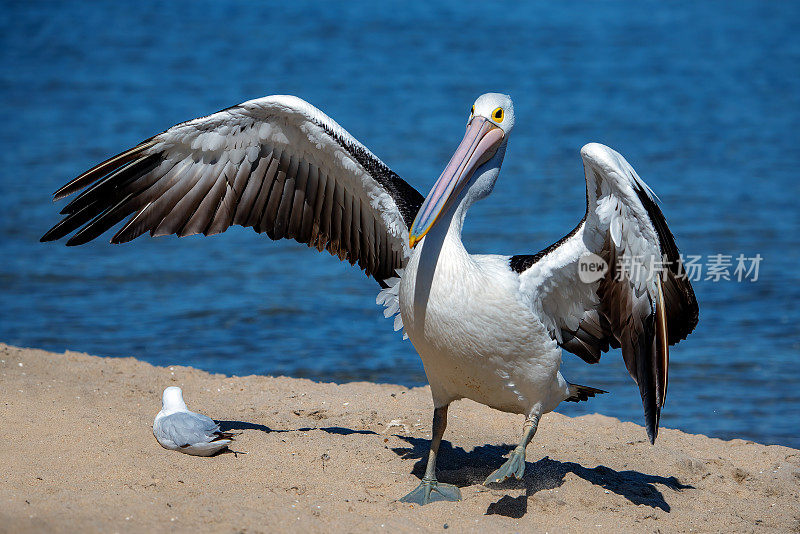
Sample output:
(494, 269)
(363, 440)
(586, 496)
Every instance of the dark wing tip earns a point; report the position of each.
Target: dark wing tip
(67, 225)
(48, 236)
(651, 419)
(101, 169)
(102, 183)
(79, 238)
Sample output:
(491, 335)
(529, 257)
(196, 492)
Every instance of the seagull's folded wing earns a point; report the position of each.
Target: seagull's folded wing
(188, 428)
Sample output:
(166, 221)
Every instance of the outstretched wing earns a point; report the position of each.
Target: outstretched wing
(276, 164)
(642, 303)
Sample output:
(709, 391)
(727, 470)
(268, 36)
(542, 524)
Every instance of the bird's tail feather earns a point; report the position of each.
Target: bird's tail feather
(579, 393)
(225, 435)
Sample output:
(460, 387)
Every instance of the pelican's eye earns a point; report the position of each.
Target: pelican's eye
(473, 110)
(498, 115)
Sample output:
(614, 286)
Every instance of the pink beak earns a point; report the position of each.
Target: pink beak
(478, 146)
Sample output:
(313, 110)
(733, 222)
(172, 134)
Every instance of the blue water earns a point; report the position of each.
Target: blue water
(703, 100)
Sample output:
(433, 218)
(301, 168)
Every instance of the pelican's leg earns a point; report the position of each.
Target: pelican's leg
(515, 465)
(430, 489)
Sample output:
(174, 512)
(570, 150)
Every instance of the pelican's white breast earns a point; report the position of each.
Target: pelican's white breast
(475, 336)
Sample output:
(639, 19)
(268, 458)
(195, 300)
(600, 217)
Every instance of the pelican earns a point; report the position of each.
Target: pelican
(489, 328)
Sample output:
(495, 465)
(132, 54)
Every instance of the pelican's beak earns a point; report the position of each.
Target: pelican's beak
(478, 146)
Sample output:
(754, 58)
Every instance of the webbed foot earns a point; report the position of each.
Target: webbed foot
(514, 467)
(432, 491)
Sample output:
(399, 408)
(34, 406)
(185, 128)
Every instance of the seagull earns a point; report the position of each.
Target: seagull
(490, 328)
(178, 429)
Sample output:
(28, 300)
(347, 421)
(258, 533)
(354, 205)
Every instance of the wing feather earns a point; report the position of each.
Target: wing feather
(187, 202)
(270, 213)
(255, 180)
(336, 222)
(201, 218)
(224, 216)
(284, 211)
(326, 216)
(260, 206)
(276, 164)
(354, 225)
(298, 201)
(309, 208)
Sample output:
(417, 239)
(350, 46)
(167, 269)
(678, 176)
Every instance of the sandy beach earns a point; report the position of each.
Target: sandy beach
(79, 454)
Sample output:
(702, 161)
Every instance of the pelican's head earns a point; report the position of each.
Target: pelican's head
(497, 108)
(172, 399)
(476, 161)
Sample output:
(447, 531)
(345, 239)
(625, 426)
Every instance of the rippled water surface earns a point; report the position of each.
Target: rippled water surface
(703, 100)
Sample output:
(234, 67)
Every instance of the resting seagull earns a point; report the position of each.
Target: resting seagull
(489, 328)
(178, 429)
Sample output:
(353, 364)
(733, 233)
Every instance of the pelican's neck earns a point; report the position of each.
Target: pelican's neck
(446, 233)
(442, 250)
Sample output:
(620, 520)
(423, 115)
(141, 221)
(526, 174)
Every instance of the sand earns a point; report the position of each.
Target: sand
(79, 455)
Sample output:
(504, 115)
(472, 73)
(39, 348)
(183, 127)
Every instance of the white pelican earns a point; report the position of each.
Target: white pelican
(487, 327)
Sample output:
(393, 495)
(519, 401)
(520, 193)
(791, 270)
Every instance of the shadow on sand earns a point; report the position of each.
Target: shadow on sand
(466, 468)
(229, 426)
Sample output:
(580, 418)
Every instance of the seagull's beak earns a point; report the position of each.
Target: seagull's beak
(478, 146)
